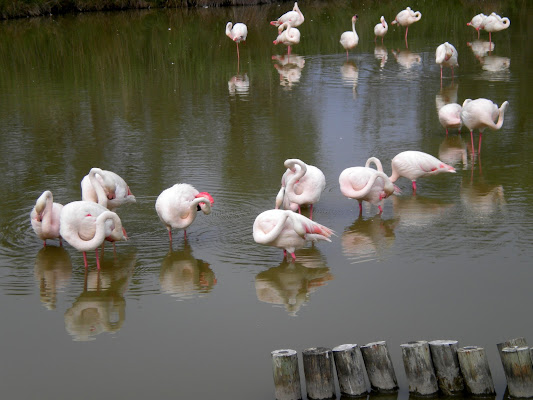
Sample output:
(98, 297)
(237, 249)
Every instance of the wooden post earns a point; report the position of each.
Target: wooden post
(318, 371)
(520, 342)
(446, 363)
(518, 371)
(286, 375)
(476, 371)
(419, 368)
(350, 370)
(379, 366)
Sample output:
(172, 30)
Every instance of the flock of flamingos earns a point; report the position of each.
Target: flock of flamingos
(86, 224)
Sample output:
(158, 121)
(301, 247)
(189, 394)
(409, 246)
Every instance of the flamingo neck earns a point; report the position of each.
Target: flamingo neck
(97, 186)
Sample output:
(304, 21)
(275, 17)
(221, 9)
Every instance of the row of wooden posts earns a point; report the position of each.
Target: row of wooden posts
(430, 367)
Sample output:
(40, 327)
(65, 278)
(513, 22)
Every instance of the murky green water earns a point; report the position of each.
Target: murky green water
(158, 97)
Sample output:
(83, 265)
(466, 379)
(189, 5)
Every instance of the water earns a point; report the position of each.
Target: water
(158, 97)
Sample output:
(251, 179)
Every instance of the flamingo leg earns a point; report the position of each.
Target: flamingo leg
(472, 141)
(289, 50)
(479, 145)
(185, 234)
(299, 209)
(284, 254)
(406, 30)
(238, 56)
(85, 260)
(360, 208)
(346, 55)
(97, 260)
(441, 76)
(311, 212)
(44, 243)
(170, 235)
(414, 187)
(380, 209)
(446, 132)
(60, 242)
(477, 33)
(293, 256)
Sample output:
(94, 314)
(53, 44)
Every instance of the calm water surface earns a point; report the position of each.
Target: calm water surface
(158, 97)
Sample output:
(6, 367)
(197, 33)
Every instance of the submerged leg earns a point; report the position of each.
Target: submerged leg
(414, 187)
(85, 259)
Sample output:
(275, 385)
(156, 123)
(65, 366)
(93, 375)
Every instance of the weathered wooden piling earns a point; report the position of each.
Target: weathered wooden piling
(419, 368)
(318, 371)
(518, 370)
(379, 367)
(286, 375)
(350, 370)
(476, 371)
(519, 341)
(446, 364)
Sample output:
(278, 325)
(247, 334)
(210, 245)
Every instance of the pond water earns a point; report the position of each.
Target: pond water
(158, 97)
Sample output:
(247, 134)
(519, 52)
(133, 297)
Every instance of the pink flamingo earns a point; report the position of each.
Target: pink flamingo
(45, 217)
(287, 230)
(417, 164)
(446, 56)
(350, 39)
(301, 184)
(287, 35)
(294, 17)
(476, 22)
(481, 114)
(495, 23)
(405, 18)
(237, 33)
(366, 184)
(381, 29)
(106, 188)
(178, 205)
(85, 225)
(450, 116)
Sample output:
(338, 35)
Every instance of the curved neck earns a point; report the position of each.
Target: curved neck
(366, 189)
(376, 162)
(229, 25)
(353, 27)
(417, 15)
(100, 232)
(298, 173)
(505, 21)
(274, 232)
(97, 186)
(501, 115)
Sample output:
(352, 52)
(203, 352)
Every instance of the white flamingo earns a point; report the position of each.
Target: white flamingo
(366, 184)
(450, 116)
(381, 29)
(481, 114)
(106, 188)
(237, 33)
(45, 217)
(301, 184)
(350, 39)
(287, 230)
(294, 17)
(417, 164)
(495, 23)
(85, 225)
(406, 18)
(476, 22)
(178, 205)
(287, 35)
(446, 56)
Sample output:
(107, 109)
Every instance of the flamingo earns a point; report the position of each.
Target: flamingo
(381, 29)
(294, 17)
(476, 22)
(177, 206)
(301, 184)
(366, 184)
(350, 39)
(417, 164)
(495, 23)
(450, 116)
(481, 114)
(446, 55)
(237, 33)
(85, 225)
(405, 18)
(287, 35)
(106, 188)
(45, 217)
(287, 230)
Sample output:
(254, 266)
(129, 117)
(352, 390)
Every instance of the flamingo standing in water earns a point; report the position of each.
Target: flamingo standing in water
(301, 184)
(287, 35)
(495, 23)
(294, 17)
(350, 39)
(178, 205)
(237, 33)
(381, 29)
(450, 116)
(85, 225)
(417, 164)
(405, 18)
(481, 114)
(446, 56)
(476, 22)
(366, 184)
(287, 230)
(45, 217)
(106, 188)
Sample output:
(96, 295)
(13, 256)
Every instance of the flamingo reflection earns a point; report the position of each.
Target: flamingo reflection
(350, 75)
(381, 54)
(101, 306)
(289, 68)
(239, 84)
(453, 151)
(53, 269)
(406, 58)
(482, 199)
(418, 211)
(480, 48)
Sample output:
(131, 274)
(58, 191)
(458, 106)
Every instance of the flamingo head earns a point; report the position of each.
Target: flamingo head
(202, 206)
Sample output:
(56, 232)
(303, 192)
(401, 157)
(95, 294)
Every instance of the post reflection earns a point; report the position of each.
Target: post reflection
(53, 269)
(381, 54)
(289, 68)
(239, 85)
(453, 151)
(350, 75)
(290, 284)
(368, 239)
(184, 276)
(101, 306)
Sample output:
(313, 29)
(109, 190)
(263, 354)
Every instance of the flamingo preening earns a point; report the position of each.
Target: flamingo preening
(237, 33)
(446, 56)
(381, 29)
(45, 217)
(406, 18)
